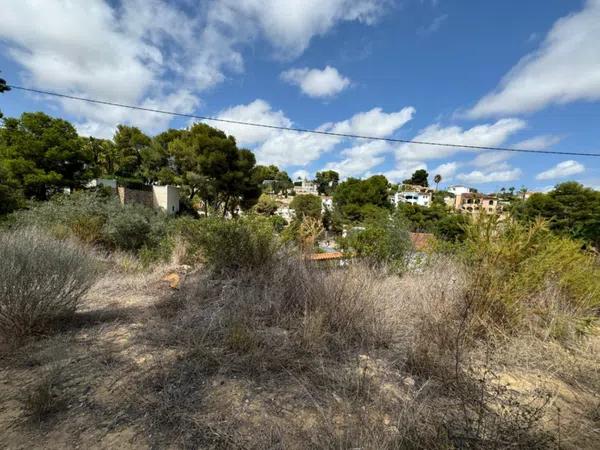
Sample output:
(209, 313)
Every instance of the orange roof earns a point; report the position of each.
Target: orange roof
(421, 241)
(325, 256)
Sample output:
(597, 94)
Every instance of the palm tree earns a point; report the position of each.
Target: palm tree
(437, 180)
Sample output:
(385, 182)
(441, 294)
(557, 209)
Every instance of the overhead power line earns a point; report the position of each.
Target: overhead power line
(302, 130)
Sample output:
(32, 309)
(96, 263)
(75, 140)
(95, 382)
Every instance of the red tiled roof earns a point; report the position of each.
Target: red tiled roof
(421, 241)
(325, 256)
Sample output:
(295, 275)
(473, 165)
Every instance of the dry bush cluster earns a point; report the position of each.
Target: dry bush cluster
(41, 282)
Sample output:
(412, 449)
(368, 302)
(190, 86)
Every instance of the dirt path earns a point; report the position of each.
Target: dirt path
(87, 366)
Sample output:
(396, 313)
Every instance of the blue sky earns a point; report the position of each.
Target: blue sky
(496, 73)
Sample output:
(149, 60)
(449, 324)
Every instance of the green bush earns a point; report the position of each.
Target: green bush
(514, 267)
(228, 246)
(42, 280)
(99, 219)
(385, 241)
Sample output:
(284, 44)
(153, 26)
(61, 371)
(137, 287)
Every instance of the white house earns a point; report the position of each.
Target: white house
(414, 198)
(306, 187)
(458, 190)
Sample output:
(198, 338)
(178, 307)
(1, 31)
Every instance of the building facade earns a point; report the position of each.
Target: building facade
(413, 197)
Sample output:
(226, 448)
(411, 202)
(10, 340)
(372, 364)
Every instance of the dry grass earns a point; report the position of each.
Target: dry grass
(292, 356)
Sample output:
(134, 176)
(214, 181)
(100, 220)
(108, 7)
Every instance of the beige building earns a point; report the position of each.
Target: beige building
(165, 198)
(475, 203)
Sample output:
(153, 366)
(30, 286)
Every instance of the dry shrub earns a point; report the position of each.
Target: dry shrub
(512, 264)
(385, 362)
(42, 280)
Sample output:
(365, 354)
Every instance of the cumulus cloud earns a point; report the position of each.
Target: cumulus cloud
(446, 170)
(317, 83)
(143, 51)
(259, 111)
(404, 171)
(481, 135)
(375, 122)
(564, 69)
(480, 177)
(562, 169)
(291, 148)
(491, 158)
(360, 159)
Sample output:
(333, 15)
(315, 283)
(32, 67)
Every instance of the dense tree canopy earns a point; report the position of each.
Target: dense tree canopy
(209, 165)
(306, 205)
(272, 179)
(356, 199)
(42, 155)
(419, 178)
(327, 181)
(570, 208)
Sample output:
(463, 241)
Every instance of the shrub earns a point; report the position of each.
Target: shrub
(512, 263)
(99, 219)
(42, 280)
(134, 226)
(228, 246)
(382, 242)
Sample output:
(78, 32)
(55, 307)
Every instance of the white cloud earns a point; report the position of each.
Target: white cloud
(317, 83)
(479, 177)
(375, 122)
(491, 158)
(289, 26)
(259, 111)
(404, 171)
(446, 170)
(142, 51)
(539, 142)
(290, 148)
(360, 159)
(480, 135)
(300, 174)
(563, 169)
(564, 69)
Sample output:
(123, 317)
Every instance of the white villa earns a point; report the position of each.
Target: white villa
(414, 198)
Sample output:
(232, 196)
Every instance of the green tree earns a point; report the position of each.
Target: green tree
(327, 181)
(418, 178)
(209, 165)
(353, 195)
(437, 179)
(103, 155)
(306, 205)
(265, 206)
(3, 88)
(42, 155)
(11, 196)
(157, 163)
(278, 181)
(130, 144)
(570, 208)
(382, 242)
